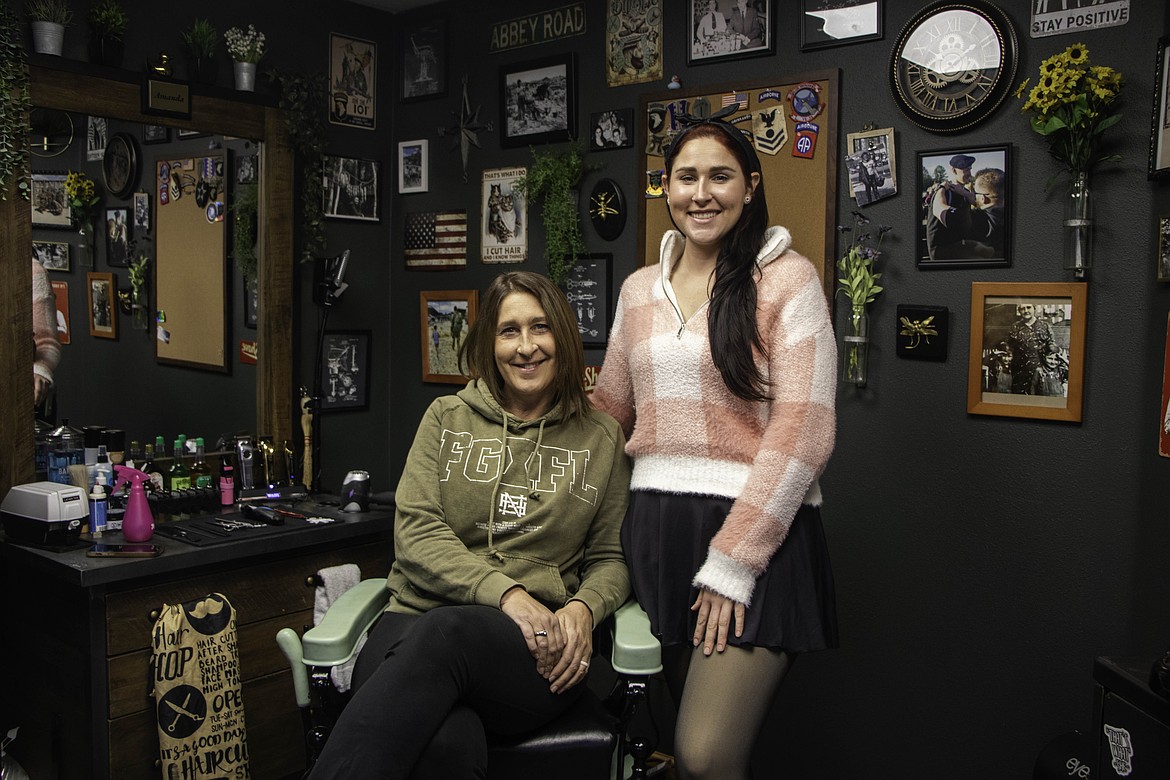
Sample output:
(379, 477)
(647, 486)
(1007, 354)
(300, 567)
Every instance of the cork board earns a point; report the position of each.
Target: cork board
(801, 190)
(190, 209)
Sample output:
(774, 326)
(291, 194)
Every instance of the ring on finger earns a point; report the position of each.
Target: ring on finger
(540, 633)
(584, 664)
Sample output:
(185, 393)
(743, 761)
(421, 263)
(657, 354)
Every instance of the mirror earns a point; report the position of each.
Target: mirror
(83, 93)
(183, 222)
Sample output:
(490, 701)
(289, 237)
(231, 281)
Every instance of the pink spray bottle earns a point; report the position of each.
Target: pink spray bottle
(137, 523)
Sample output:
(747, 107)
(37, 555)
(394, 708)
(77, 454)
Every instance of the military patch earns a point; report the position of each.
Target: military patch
(805, 144)
(770, 130)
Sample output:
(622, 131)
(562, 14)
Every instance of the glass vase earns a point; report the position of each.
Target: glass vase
(1078, 227)
(85, 248)
(140, 308)
(855, 347)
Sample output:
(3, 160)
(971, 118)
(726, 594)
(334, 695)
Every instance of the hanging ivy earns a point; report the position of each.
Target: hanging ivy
(303, 96)
(14, 106)
(244, 208)
(554, 177)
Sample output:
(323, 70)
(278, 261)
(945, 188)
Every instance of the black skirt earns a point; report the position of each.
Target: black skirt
(665, 538)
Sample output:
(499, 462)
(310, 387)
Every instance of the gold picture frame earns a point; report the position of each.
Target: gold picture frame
(445, 318)
(1027, 356)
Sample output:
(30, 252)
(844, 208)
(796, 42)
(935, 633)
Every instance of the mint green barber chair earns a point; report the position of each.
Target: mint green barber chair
(591, 741)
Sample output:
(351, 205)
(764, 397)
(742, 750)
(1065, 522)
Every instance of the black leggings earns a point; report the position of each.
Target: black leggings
(428, 687)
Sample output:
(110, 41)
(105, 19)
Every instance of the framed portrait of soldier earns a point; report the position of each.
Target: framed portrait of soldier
(872, 169)
(964, 207)
(1027, 355)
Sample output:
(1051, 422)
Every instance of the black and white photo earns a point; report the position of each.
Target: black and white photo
(825, 23)
(53, 255)
(1163, 270)
(118, 237)
(871, 165)
(96, 136)
(964, 207)
(613, 129)
(538, 102)
(351, 188)
(729, 29)
(424, 60)
(246, 168)
(50, 206)
(141, 212)
(155, 134)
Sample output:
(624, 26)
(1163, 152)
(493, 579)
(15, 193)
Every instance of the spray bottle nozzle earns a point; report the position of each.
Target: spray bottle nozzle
(127, 474)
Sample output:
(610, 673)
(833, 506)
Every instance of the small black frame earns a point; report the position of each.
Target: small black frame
(345, 370)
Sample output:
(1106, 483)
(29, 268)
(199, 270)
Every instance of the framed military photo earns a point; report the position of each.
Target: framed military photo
(538, 102)
(730, 30)
(964, 205)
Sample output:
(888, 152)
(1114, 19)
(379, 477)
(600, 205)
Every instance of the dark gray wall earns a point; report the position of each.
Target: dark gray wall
(982, 562)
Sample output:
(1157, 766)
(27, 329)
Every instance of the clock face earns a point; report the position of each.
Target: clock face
(953, 64)
(120, 165)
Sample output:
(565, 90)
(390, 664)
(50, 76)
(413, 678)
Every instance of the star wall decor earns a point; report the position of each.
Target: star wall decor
(467, 130)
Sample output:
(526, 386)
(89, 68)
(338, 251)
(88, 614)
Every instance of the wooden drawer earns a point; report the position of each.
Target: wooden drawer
(131, 690)
(276, 744)
(257, 592)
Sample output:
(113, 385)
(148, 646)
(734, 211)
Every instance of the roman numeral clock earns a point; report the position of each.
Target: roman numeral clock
(953, 64)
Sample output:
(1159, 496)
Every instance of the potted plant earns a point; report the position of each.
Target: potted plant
(858, 279)
(48, 20)
(107, 23)
(554, 177)
(14, 107)
(201, 40)
(246, 49)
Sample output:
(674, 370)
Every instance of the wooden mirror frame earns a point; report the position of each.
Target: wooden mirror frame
(85, 93)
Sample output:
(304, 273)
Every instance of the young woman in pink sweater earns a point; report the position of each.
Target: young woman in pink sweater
(720, 369)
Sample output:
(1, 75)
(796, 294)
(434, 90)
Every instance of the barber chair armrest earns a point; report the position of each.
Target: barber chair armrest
(636, 651)
(332, 641)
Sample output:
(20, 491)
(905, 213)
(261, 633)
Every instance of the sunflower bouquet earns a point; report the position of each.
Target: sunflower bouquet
(82, 194)
(1071, 106)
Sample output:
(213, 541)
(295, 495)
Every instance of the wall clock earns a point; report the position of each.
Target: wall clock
(953, 64)
(120, 165)
(607, 209)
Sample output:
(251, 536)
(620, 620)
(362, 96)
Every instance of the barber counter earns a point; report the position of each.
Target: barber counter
(77, 638)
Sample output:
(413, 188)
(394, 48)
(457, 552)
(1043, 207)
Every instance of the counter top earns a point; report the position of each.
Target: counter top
(73, 567)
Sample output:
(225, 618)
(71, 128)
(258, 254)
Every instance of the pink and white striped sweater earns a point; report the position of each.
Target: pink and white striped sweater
(687, 433)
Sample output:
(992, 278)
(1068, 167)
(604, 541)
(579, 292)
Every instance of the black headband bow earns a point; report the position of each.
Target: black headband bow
(718, 119)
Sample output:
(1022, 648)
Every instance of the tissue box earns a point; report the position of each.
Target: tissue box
(44, 513)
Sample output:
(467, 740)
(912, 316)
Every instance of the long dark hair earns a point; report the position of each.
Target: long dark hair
(478, 351)
(731, 316)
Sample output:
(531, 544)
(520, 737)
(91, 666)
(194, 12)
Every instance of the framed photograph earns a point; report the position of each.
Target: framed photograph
(61, 299)
(1160, 132)
(251, 304)
(53, 255)
(97, 135)
(414, 170)
(345, 370)
(50, 207)
(587, 287)
(424, 60)
(825, 23)
(730, 30)
(964, 207)
(435, 240)
(351, 188)
(190, 134)
(1163, 410)
(1163, 269)
(1027, 355)
(141, 212)
(538, 102)
(246, 169)
(103, 305)
(445, 316)
(352, 65)
(611, 130)
(872, 169)
(118, 237)
(155, 134)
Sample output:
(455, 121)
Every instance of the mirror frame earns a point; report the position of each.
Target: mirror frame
(86, 93)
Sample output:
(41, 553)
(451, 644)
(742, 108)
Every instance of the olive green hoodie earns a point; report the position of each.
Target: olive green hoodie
(465, 531)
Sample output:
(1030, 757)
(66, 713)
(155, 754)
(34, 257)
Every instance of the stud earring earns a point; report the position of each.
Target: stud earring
(747, 198)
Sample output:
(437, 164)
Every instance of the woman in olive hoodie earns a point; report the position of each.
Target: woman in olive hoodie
(507, 552)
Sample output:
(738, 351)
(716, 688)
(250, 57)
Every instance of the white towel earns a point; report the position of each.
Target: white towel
(336, 580)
